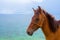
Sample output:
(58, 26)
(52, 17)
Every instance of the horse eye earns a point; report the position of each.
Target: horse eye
(37, 20)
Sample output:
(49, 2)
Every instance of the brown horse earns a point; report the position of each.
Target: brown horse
(45, 21)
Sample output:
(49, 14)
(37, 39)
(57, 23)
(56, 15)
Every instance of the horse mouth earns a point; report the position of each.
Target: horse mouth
(29, 33)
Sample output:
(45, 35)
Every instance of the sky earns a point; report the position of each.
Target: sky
(25, 6)
(15, 6)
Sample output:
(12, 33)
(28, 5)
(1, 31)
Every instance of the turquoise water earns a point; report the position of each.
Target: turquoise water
(13, 27)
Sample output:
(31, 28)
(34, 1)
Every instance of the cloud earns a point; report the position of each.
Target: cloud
(10, 11)
(38, 1)
(21, 1)
(18, 1)
(7, 11)
(6, 6)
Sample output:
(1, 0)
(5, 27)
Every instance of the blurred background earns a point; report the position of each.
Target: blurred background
(15, 17)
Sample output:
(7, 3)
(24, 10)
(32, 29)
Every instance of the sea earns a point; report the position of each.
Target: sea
(14, 26)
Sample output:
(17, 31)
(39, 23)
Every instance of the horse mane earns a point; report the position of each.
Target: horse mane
(52, 22)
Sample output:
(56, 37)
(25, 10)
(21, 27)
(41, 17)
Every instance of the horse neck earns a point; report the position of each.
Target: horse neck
(45, 28)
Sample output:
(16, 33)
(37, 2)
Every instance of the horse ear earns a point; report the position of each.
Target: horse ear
(39, 8)
(33, 9)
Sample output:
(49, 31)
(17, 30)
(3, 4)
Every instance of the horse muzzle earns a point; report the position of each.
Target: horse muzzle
(30, 33)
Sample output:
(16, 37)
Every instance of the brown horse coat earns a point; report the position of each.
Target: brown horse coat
(54, 28)
(45, 21)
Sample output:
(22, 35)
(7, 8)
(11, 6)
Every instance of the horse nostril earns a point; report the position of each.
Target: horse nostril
(28, 32)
